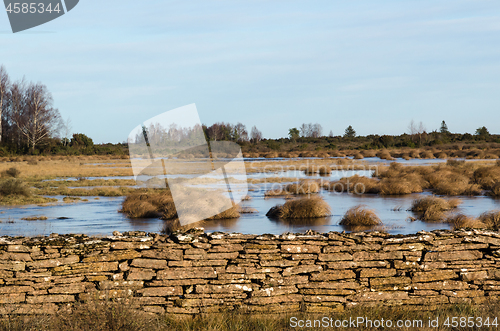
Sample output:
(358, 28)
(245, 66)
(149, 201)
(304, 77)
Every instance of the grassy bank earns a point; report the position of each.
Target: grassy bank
(113, 317)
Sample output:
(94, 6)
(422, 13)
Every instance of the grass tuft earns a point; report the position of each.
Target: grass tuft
(491, 219)
(432, 208)
(385, 155)
(360, 215)
(149, 205)
(312, 207)
(461, 221)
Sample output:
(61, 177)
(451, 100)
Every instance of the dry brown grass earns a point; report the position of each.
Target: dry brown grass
(11, 172)
(441, 155)
(431, 208)
(398, 186)
(82, 192)
(306, 186)
(358, 156)
(490, 156)
(369, 153)
(385, 155)
(149, 205)
(312, 207)
(232, 212)
(247, 210)
(495, 190)
(461, 221)
(487, 177)
(71, 199)
(35, 218)
(355, 184)
(14, 186)
(427, 155)
(453, 178)
(121, 315)
(457, 185)
(70, 167)
(415, 154)
(160, 204)
(398, 179)
(324, 171)
(360, 216)
(491, 219)
(455, 163)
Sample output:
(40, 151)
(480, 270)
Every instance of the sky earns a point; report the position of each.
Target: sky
(375, 65)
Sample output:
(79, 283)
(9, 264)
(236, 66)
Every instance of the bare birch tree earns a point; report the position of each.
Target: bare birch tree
(4, 94)
(66, 131)
(34, 115)
(255, 135)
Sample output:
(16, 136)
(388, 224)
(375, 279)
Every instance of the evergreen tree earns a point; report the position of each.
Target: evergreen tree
(444, 128)
(349, 132)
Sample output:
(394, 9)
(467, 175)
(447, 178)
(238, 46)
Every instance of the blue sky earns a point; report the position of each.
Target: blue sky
(375, 65)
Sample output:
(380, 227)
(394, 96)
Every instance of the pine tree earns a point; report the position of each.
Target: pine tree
(349, 132)
(444, 128)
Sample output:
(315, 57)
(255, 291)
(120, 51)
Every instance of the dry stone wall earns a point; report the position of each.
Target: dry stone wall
(193, 272)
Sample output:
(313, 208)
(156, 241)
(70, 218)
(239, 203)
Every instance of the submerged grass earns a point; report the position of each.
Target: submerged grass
(312, 207)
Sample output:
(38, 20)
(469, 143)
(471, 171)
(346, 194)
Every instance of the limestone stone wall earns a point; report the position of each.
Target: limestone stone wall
(192, 272)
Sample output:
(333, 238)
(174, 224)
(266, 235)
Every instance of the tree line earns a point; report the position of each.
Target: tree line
(29, 123)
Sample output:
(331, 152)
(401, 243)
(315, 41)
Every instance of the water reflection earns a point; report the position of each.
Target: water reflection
(303, 222)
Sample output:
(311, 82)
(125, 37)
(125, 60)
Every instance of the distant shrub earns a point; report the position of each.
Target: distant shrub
(11, 172)
(274, 145)
(14, 186)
